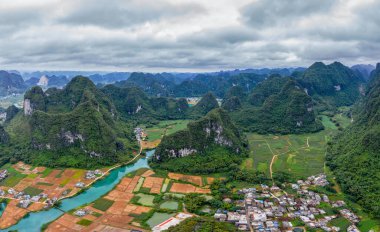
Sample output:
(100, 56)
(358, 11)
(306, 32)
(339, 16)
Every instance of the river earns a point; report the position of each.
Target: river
(34, 221)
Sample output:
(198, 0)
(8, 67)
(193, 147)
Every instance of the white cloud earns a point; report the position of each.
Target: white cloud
(158, 35)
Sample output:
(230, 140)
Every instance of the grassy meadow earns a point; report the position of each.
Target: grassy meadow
(301, 155)
(165, 128)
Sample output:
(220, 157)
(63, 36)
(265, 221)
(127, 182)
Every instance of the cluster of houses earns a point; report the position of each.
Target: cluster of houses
(349, 215)
(93, 174)
(3, 174)
(318, 180)
(271, 209)
(90, 175)
(139, 133)
(25, 199)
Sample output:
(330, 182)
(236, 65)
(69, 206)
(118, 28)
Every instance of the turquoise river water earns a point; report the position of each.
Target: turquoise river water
(34, 221)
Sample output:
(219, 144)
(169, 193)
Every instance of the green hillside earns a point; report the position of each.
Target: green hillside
(354, 155)
(285, 110)
(211, 144)
(336, 84)
(207, 103)
(4, 137)
(77, 126)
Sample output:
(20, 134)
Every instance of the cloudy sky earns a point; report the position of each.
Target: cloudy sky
(186, 35)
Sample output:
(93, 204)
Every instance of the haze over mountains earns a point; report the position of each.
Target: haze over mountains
(162, 84)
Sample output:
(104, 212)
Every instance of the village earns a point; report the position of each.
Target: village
(26, 188)
(273, 209)
(292, 207)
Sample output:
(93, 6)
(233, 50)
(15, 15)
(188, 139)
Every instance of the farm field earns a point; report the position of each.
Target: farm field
(300, 155)
(145, 199)
(45, 182)
(164, 128)
(157, 218)
(136, 203)
(173, 205)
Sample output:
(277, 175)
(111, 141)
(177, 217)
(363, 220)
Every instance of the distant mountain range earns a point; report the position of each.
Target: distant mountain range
(158, 84)
(364, 70)
(11, 83)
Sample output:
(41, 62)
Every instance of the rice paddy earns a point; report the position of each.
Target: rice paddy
(301, 155)
(145, 199)
(158, 218)
(165, 128)
(172, 205)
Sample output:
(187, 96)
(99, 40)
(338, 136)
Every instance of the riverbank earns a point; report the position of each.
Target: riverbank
(98, 189)
(104, 174)
(25, 212)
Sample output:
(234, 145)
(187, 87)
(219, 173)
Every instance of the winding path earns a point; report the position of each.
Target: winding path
(274, 157)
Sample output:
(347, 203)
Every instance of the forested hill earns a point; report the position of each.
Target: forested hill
(276, 105)
(335, 84)
(211, 144)
(354, 155)
(77, 126)
(84, 126)
(4, 137)
(133, 103)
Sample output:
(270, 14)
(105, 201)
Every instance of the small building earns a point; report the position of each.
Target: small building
(233, 217)
(287, 225)
(90, 175)
(295, 186)
(275, 189)
(220, 216)
(80, 185)
(3, 174)
(24, 203)
(227, 200)
(35, 198)
(81, 212)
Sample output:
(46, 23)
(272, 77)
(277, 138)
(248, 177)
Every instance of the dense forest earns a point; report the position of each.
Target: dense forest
(276, 105)
(334, 84)
(77, 126)
(354, 155)
(202, 224)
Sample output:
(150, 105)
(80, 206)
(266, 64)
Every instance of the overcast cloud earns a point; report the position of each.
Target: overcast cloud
(186, 35)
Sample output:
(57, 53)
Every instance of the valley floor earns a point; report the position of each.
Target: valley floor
(28, 188)
(142, 200)
(300, 155)
(147, 199)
